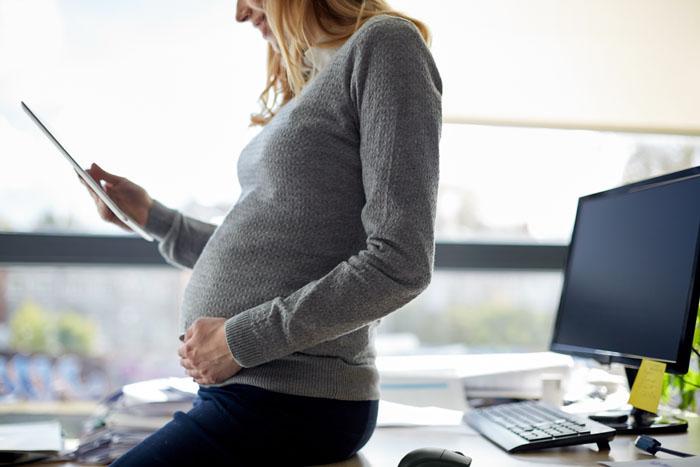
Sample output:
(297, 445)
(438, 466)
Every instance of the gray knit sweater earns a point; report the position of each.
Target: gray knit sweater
(334, 226)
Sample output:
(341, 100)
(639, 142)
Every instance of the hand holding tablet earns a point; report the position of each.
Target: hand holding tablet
(118, 200)
(130, 197)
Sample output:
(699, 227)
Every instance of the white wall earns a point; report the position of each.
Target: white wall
(628, 64)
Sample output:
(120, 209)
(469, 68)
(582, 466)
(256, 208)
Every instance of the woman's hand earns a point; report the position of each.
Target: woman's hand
(131, 198)
(205, 353)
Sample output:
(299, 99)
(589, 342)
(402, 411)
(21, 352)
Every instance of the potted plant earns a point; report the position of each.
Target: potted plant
(682, 390)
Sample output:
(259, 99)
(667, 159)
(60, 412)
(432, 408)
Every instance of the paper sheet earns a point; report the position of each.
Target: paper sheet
(35, 436)
(647, 387)
(681, 462)
(392, 414)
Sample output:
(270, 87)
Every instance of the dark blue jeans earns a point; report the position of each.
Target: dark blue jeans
(239, 425)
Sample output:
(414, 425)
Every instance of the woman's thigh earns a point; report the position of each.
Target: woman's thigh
(242, 425)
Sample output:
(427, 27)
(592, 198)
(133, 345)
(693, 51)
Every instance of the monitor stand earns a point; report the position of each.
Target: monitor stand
(643, 422)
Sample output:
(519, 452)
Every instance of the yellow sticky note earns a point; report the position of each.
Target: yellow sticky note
(646, 390)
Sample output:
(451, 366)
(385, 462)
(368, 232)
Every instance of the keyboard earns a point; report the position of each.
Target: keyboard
(527, 426)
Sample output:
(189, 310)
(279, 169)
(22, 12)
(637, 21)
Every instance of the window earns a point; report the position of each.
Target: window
(502, 185)
(161, 92)
(155, 91)
(505, 184)
(476, 312)
(79, 331)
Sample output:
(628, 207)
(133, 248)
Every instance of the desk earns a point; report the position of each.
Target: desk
(389, 445)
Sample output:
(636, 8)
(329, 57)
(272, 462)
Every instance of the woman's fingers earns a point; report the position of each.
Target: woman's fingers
(115, 196)
(198, 377)
(98, 173)
(193, 372)
(131, 198)
(94, 174)
(102, 209)
(108, 215)
(190, 369)
(100, 204)
(186, 364)
(87, 187)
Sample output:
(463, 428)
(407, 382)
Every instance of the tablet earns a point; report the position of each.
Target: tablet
(95, 186)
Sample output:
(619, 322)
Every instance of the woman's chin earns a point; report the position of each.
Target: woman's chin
(270, 38)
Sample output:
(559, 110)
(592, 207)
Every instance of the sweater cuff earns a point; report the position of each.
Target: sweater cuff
(241, 340)
(160, 220)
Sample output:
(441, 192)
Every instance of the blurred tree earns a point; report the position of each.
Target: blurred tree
(75, 333)
(650, 160)
(499, 327)
(3, 296)
(5, 225)
(51, 221)
(680, 390)
(30, 329)
(34, 330)
(487, 328)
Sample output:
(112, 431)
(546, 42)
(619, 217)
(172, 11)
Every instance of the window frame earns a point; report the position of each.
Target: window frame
(41, 249)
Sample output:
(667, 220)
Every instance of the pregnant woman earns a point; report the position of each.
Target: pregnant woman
(333, 231)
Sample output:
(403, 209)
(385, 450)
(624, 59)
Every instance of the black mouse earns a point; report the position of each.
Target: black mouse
(434, 457)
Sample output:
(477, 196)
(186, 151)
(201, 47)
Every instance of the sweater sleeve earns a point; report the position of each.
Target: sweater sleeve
(396, 90)
(181, 239)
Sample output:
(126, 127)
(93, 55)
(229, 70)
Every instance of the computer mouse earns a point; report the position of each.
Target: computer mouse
(434, 457)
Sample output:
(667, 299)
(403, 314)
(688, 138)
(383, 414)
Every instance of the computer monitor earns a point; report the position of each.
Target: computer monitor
(631, 281)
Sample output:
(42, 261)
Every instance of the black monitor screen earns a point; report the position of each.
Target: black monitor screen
(630, 280)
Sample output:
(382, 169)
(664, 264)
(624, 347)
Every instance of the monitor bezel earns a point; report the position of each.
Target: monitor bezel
(682, 360)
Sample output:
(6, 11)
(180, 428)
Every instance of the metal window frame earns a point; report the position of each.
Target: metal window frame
(35, 249)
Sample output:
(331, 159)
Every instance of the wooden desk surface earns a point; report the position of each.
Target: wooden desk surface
(389, 445)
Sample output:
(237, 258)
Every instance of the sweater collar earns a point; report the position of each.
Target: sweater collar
(316, 59)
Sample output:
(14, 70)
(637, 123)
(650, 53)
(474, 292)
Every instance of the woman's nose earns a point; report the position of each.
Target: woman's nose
(243, 11)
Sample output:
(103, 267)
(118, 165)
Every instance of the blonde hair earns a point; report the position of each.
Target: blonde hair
(293, 23)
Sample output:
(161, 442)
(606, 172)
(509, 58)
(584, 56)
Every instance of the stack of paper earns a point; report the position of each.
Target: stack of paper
(128, 416)
(26, 442)
(512, 375)
(393, 415)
